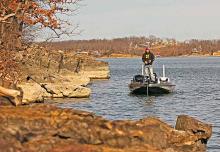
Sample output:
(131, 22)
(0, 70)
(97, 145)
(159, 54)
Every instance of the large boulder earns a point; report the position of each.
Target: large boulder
(189, 124)
(32, 92)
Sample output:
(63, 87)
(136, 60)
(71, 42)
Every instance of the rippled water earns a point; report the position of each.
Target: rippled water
(197, 93)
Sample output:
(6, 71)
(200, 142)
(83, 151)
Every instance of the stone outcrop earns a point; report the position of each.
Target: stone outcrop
(47, 128)
(32, 92)
(38, 92)
(44, 64)
(194, 126)
(57, 74)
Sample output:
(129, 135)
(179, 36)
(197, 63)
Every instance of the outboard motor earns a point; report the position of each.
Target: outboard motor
(155, 78)
(138, 78)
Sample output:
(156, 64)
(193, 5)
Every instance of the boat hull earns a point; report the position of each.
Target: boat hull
(151, 89)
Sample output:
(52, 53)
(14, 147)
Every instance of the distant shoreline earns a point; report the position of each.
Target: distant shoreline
(130, 57)
(115, 55)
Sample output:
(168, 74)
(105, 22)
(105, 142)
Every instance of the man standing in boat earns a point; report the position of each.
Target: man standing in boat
(148, 59)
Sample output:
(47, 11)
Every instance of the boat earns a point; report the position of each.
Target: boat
(142, 84)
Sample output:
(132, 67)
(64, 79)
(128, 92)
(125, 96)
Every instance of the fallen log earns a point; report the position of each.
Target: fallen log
(14, 96)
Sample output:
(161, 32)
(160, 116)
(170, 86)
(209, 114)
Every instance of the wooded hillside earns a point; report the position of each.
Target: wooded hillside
(135, 46)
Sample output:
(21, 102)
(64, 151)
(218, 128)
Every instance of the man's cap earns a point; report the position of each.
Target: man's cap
(147, 48)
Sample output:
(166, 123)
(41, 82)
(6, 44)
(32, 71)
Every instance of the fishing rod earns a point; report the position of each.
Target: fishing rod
(42, 85)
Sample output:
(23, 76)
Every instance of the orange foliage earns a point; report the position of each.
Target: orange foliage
(35, 12)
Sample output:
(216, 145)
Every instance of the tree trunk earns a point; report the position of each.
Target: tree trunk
(10, 35)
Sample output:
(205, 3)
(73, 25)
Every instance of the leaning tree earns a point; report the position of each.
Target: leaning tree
(18, 15)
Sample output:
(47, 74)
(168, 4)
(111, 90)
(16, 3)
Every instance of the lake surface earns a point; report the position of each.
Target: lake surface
(197, 93)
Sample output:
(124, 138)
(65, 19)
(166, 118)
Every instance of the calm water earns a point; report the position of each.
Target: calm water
(197, 93)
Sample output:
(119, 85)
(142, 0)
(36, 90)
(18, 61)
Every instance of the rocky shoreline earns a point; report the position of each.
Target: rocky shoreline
(49, 74)
(45, 128)
(41, 127)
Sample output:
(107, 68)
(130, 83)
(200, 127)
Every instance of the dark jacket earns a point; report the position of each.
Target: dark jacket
(148, 57)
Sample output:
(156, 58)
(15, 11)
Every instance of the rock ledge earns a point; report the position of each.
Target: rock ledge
(47, 128)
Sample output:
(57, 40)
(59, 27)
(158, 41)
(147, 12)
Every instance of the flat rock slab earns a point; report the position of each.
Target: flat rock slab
(48, 128)
(34, 92)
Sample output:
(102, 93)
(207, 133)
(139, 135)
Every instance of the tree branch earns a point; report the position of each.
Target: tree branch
(3, 19)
